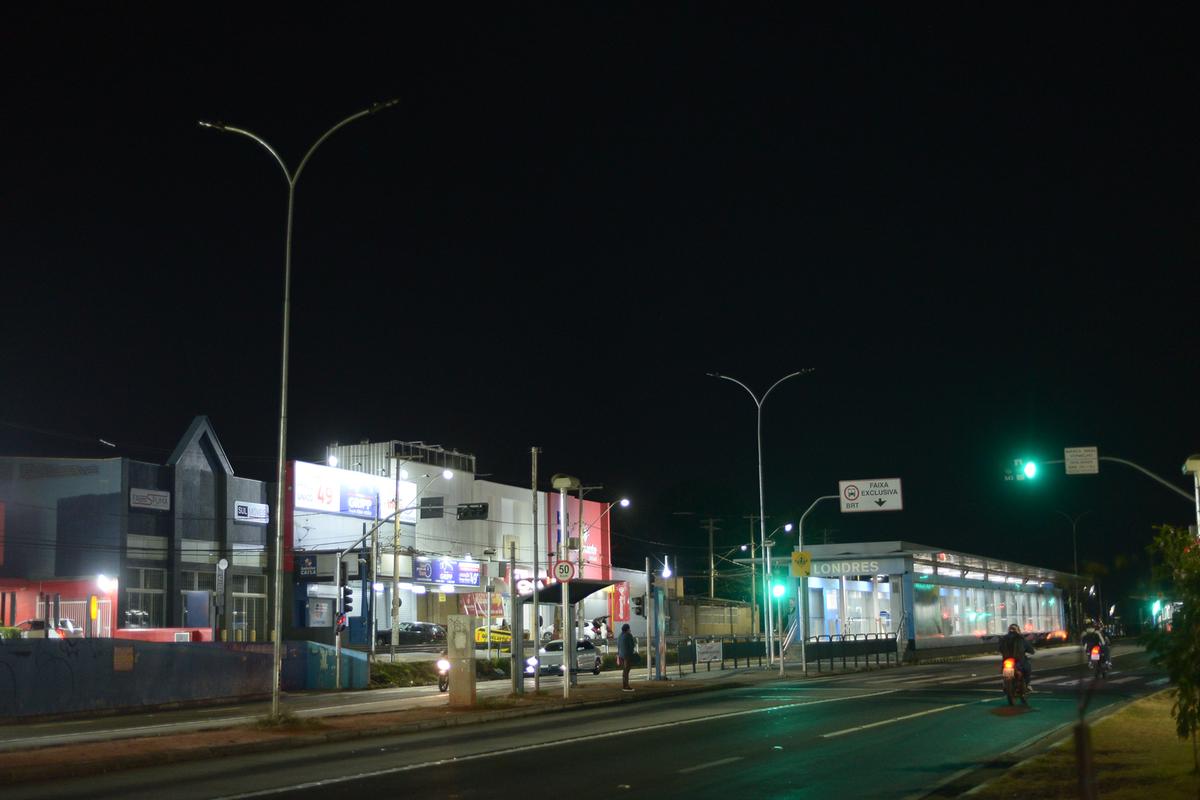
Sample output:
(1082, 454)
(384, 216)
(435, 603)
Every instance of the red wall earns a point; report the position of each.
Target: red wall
(596, 564)
(67, 588)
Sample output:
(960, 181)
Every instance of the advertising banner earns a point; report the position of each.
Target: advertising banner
(476, 604)
(340, 491)
(618, 602)
(448, 572)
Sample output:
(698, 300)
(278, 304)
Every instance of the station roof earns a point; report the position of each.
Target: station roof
(942, 560)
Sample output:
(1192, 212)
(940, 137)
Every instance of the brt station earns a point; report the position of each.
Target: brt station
(927, 598)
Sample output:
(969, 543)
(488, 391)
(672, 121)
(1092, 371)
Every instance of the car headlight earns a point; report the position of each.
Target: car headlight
(532, 661)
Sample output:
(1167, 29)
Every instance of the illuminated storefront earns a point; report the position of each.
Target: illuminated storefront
(931, 597)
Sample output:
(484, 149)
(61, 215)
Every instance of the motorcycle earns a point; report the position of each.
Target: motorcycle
(1014, 682)
(1096, 661)
(443, 668)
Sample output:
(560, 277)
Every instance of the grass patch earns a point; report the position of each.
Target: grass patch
(287, 721)
(1137, 755)
(403, 673)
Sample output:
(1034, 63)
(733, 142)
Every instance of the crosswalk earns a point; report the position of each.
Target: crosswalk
(990, 680)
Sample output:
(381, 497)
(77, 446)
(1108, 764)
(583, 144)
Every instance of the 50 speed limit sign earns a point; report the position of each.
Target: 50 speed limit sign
(564, 571)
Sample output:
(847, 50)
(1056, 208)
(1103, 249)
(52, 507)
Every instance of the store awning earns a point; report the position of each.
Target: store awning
(580, 588)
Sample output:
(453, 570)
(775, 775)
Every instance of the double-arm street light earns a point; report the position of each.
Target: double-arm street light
(292, 178)
(762, 523)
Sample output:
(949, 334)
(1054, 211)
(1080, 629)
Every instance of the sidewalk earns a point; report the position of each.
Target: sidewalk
(22, 766)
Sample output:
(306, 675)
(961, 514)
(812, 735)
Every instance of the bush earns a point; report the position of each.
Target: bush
(10, 633)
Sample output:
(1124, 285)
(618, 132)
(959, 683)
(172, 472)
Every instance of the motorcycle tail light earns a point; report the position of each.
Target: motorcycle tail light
(1096, 650)
(1010, 663)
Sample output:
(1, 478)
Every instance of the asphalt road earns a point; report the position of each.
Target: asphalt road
(890, 733)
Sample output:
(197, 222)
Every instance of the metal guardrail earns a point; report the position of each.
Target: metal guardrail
(740, 651)
(852, 645)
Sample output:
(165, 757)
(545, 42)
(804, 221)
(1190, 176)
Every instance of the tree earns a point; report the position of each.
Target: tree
(1177, 647)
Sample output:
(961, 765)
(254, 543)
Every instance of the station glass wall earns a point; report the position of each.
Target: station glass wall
(867, 606)
(940, 611)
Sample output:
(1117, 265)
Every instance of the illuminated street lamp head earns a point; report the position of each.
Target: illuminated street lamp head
(624, 502)
(787, 528)
(447, 474)
(1030, 469)
(666, 570)
(333, 462)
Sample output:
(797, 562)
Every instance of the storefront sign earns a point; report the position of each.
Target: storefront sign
(447, 572)
(618, 602)
(151, 499)
(254, 513)
(306, 566)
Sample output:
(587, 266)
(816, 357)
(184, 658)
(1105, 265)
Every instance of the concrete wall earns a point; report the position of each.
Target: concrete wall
(41, 677)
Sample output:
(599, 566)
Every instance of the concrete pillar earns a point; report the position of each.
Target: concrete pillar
(460, 643)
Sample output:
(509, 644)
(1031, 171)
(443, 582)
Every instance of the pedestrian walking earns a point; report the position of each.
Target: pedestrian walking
(625, 647)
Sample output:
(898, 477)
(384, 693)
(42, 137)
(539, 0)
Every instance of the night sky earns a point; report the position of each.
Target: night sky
(980, 232)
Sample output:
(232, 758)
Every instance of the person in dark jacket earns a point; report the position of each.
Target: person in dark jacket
(625, 648)
(1092, 637)
(1014, 645)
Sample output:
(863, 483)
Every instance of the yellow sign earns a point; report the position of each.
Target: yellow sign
(499, 635)
(93, 607)
(801, 563)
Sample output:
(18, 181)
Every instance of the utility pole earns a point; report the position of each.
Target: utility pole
(753, 573)
(711, 524)
(537, 609)
(369, 600)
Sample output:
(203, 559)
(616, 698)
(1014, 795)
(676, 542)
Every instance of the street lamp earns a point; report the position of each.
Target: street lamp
(762, 522)
(1074, 556)
(292, 178)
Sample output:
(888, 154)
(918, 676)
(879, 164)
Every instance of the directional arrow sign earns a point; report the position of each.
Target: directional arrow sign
(882, 494)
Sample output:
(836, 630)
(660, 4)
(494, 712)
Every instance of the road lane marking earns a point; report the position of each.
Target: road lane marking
(1158, 682)
(590, 737)
(1123, 680)
(890, 721)
(718, 763)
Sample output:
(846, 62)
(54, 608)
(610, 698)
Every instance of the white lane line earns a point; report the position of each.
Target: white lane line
(1158, 682)
(1123, 680)
(890, 721)
(542, 745)
(699, 767)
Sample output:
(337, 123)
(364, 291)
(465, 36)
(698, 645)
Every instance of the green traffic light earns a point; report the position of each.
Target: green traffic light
(1030, 469)
(778, 590)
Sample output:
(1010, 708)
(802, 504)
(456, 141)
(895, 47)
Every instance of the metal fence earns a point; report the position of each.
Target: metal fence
(852, 646)
(750, 650)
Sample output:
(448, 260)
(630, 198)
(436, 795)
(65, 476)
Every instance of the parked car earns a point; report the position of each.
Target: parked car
(413, 633)
(37, 629)
(550, 658)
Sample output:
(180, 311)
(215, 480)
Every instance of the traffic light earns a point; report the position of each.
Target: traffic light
(472, 511)
(347, 600)
(1022, 470)
(639, 606)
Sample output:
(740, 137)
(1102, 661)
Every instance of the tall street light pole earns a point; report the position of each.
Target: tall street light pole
(1074, 557)
(292, 178)
(762, 523)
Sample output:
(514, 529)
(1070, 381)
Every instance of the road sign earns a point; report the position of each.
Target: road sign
(882, 494)
(801, 563)
(564, 571)
(1082, 460)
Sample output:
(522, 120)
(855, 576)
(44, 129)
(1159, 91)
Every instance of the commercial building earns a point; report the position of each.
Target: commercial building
(181, 543)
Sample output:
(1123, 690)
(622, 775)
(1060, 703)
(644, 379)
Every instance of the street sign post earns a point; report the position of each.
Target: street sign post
(801, 563)
(1081, 460)
(882, 494)
(564, 571)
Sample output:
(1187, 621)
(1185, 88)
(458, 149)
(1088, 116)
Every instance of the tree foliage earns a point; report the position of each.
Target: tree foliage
(1178, 649)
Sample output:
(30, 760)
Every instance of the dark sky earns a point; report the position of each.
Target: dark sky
(979, 231)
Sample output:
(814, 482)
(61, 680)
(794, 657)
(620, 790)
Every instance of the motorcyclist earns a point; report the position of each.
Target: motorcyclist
(1014, 645)
(1093, 636)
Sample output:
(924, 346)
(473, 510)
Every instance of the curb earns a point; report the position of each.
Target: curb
(76, 769)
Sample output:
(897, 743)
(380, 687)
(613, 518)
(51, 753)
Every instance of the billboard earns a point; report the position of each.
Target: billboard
(447, 572)
(356, 494)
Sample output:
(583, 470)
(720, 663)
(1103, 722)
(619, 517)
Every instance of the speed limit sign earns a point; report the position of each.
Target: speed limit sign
(564, 571)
